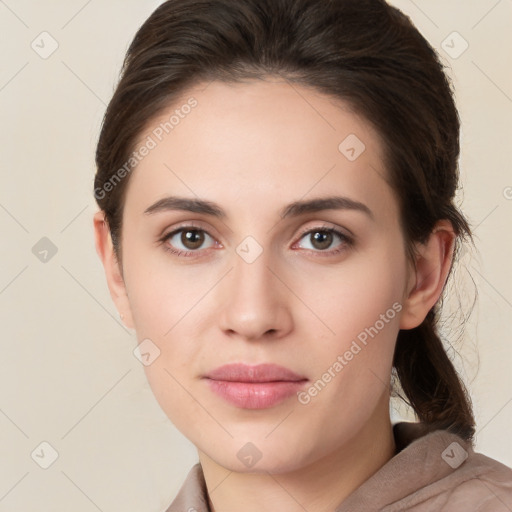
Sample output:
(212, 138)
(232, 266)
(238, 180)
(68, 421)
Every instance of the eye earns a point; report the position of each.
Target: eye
(322, 238)
(186, 240)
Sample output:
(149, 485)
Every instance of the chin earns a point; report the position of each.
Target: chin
(261, 456)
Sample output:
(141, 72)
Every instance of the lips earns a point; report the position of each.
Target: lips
(260, 373)
(254, 387)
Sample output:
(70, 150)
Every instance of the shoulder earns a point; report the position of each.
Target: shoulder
(481, 484)
(435, 471)
(461, 480)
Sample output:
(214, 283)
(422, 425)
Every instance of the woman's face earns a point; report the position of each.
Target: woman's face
(254, 277)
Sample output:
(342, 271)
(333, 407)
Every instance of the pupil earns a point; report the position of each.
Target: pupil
(323, 238)
(192, 239)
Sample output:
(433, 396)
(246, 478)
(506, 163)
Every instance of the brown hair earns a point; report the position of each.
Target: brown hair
(364, 52)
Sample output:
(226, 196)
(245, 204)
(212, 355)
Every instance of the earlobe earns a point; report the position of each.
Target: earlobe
(433, 263)
(113, 274)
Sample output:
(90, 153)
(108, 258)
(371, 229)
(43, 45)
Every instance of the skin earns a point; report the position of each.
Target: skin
(253, 148)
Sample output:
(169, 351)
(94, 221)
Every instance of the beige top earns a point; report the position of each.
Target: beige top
(435, 472)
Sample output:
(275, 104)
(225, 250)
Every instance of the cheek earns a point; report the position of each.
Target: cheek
(352, 360)
(172, 391)
(360, 306)
(166, 305)
(161, 295)
(355, 295)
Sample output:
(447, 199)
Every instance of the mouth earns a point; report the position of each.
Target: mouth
(254, 387)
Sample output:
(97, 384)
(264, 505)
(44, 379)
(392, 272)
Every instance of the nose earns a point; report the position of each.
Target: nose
(255, 302)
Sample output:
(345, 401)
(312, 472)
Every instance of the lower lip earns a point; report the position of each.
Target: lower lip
(255, 395)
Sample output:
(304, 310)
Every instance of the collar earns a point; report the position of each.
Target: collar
(421, 460)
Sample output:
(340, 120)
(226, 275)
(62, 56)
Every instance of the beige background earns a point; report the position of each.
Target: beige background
(67, 372)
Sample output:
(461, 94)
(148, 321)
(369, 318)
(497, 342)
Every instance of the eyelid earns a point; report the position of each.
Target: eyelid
(191, 224)
(328, 226)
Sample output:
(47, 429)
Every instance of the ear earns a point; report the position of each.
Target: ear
(115, 281)
(433, 264)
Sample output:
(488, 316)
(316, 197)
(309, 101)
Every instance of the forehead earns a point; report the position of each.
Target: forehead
(257, 140)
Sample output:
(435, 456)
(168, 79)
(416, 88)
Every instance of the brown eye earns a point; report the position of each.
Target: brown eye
(187, 240)
(192, 239)
(321, 240)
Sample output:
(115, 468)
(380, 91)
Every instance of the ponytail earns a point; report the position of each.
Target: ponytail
(430, 381)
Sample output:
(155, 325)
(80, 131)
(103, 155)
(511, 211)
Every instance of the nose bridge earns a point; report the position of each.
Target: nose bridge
(254, 302)
(253, 278)
(253, 284)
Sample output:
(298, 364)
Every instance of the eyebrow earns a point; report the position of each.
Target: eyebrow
(294, 209)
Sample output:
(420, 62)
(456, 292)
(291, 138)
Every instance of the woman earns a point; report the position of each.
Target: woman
(275, 182)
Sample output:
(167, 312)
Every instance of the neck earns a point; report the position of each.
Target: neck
(317, 487)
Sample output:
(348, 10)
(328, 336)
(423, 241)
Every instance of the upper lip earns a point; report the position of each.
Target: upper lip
(238, 372)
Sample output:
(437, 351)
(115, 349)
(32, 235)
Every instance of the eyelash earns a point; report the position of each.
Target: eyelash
(347, 242)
